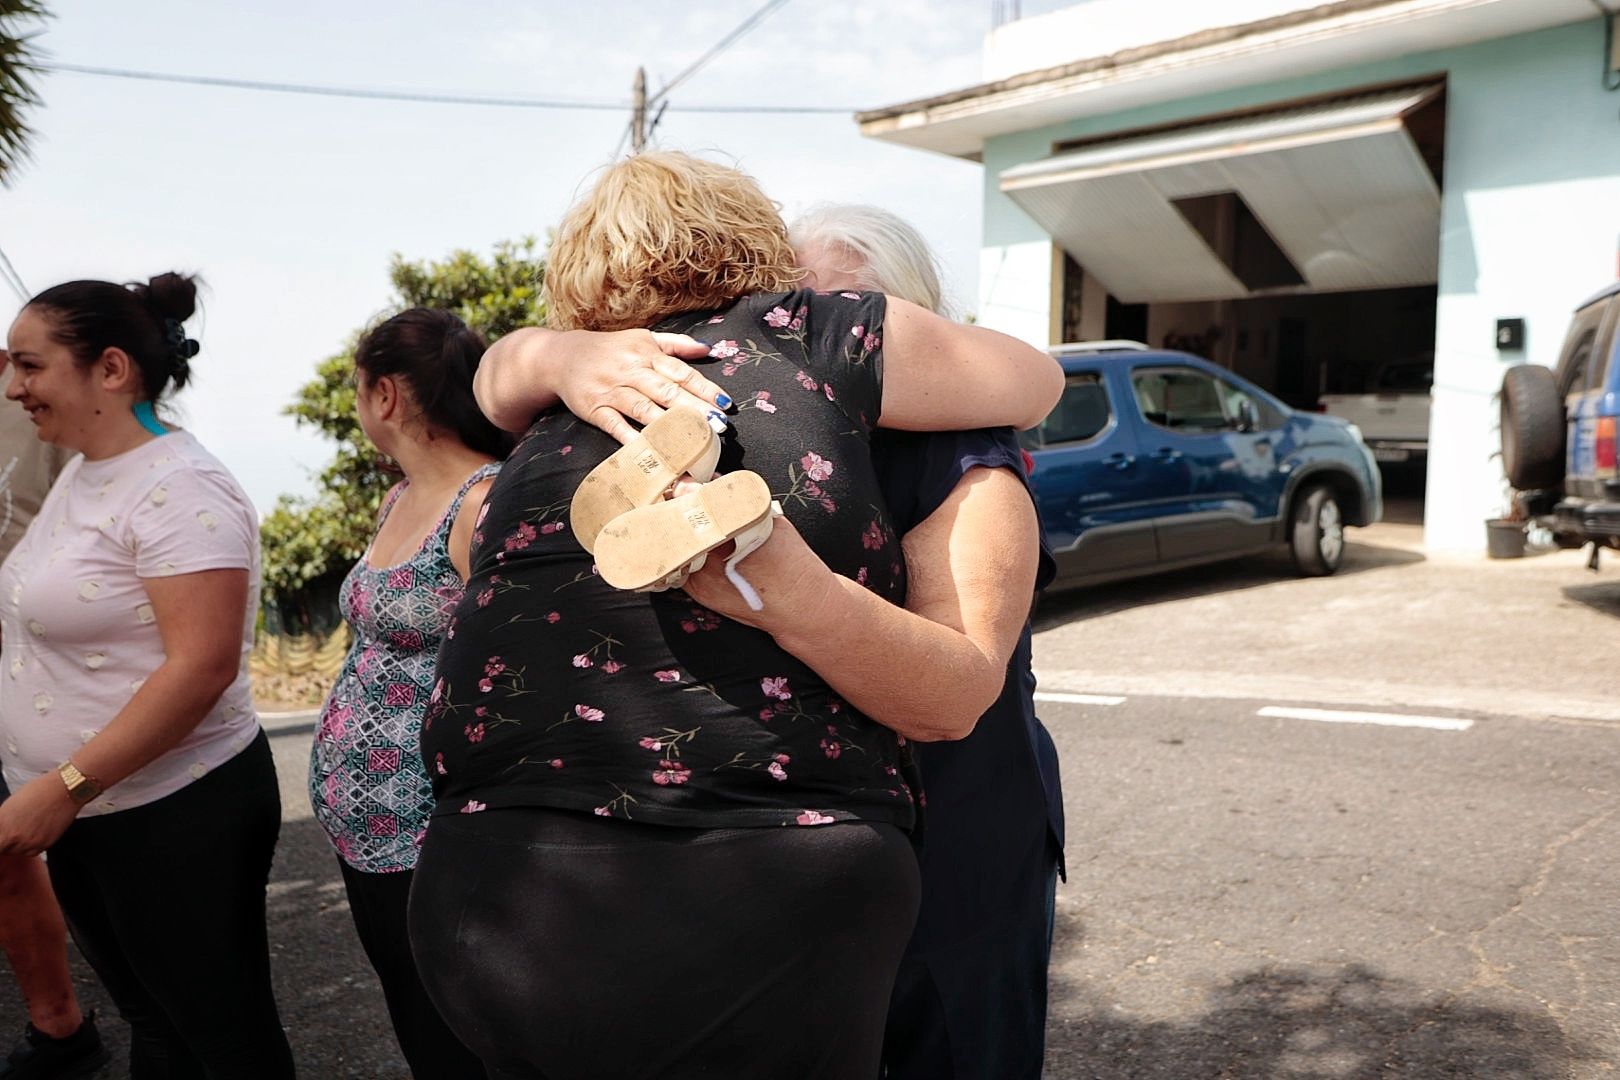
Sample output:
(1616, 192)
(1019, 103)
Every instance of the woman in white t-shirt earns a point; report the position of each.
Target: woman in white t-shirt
(131, 747)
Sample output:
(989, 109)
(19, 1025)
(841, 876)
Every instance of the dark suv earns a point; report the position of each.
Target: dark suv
(1559, 430)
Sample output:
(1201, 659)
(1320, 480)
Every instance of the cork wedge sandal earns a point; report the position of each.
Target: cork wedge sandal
(680, 441)
(651, 548)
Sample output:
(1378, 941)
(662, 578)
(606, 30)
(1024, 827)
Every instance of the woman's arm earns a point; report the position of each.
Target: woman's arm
(199, 617)
(939, 375)
(930, 670)
(603, 378)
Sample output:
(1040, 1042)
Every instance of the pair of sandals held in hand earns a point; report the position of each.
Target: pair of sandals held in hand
(645, 542)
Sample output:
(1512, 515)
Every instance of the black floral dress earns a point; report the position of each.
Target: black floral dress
(555, 690)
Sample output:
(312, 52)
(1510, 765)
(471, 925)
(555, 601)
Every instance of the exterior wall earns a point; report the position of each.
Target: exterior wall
(1101, 27)
(1530, 225)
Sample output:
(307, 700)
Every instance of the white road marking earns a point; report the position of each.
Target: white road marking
(1078, 699)
(1337, 716)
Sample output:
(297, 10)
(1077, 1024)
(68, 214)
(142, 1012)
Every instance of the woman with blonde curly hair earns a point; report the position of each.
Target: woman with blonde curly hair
(662, 845)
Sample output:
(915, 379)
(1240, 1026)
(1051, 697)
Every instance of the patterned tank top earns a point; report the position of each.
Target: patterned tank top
(366, 781)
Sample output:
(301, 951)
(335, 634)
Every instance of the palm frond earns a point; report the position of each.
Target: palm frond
(18, 67)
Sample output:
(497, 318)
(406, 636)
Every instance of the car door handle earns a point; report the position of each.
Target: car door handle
(1166, 453)
(1120, 461)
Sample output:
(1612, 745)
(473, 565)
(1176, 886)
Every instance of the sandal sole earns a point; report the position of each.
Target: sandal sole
(644, 546)
(640, 471)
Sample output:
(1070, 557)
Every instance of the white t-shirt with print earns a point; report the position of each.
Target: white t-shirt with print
(80, 636)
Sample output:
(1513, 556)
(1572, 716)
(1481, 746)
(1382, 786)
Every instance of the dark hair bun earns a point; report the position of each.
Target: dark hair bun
(170, 296)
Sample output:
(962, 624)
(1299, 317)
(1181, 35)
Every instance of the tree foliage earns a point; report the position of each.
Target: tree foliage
(17, 94)
(310, 542)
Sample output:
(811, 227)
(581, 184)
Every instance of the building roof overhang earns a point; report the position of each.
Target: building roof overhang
(1330, 35)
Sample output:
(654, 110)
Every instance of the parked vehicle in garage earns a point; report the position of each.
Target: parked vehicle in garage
(1393, 414)
(1154, 460)
(1559, 430)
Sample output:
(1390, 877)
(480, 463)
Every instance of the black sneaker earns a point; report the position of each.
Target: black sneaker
(37, 1056)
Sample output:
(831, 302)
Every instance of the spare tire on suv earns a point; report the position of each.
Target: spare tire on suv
(1532, 428)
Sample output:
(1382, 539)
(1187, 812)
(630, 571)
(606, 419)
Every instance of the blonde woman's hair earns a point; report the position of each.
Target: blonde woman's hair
(887, 254)
(661, 233)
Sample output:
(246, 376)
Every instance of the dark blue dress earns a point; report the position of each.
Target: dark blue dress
(970, 997)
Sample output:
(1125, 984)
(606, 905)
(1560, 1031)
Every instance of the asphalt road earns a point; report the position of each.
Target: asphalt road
(1251, 896)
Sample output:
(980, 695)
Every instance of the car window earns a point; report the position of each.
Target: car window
(1081, 413)
(1416, 377)
(1181, 399)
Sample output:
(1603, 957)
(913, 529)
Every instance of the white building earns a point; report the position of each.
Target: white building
(1310, 190)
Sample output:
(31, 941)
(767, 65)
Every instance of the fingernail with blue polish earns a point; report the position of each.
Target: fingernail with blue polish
(723, 400)
(717, 422)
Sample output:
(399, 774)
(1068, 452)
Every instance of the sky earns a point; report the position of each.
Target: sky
(290, 207)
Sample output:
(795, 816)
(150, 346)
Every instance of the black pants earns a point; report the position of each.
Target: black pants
(378, 903)
(167, 902)
(565, 947)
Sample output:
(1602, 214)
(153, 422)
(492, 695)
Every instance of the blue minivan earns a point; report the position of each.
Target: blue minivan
(1154, 460)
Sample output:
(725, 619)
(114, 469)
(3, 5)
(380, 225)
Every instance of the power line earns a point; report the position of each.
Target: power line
(430, 97)
(13, 278)
(719, 47)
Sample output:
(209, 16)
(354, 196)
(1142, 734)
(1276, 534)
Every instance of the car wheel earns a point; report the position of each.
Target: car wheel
(1532, 428)
(1318, 535)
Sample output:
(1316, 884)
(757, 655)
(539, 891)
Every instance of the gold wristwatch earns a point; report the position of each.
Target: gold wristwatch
(81, 787)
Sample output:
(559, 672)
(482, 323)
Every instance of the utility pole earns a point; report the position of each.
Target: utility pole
(638, 112)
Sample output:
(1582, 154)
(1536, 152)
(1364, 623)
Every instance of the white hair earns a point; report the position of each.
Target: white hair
(890, 254)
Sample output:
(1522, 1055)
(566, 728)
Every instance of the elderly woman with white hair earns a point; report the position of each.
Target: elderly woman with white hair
(970, 996)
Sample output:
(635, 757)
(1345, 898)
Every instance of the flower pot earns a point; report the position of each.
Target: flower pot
(1504, 539)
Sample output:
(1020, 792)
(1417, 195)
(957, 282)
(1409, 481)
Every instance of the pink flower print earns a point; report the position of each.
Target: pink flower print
(485, 596)
(776, 687)
(565, 451)
(602, 811)
(588, 714)
(555, 763)
(728, 369)
(551, 527)
(402, 577)
(871, 342)
(650, 743)
(725, 350)
(486, 685)
(483, 512)
(382, 825)
(872, 538)
(826, 388)
(829, 506)
(611, 667)
(553, 616)
(781, 758)
(583, 661)
(474, 732)
(522, 538)
(860, 576)
(812, 489)
(670, 772)
(473, 806)
(494, 666)
(813, 817)
(807, 382)
(762, 402)
(850, 295)
(438, 692)
(831, 748)
(481, 712)
(836, 705)
(816, 467)
(796, 324)
(857, 330)
(667, 676)
(778, 317)
(776, 770)
(438, 764)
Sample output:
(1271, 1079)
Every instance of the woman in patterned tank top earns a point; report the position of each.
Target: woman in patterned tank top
(368, 788)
